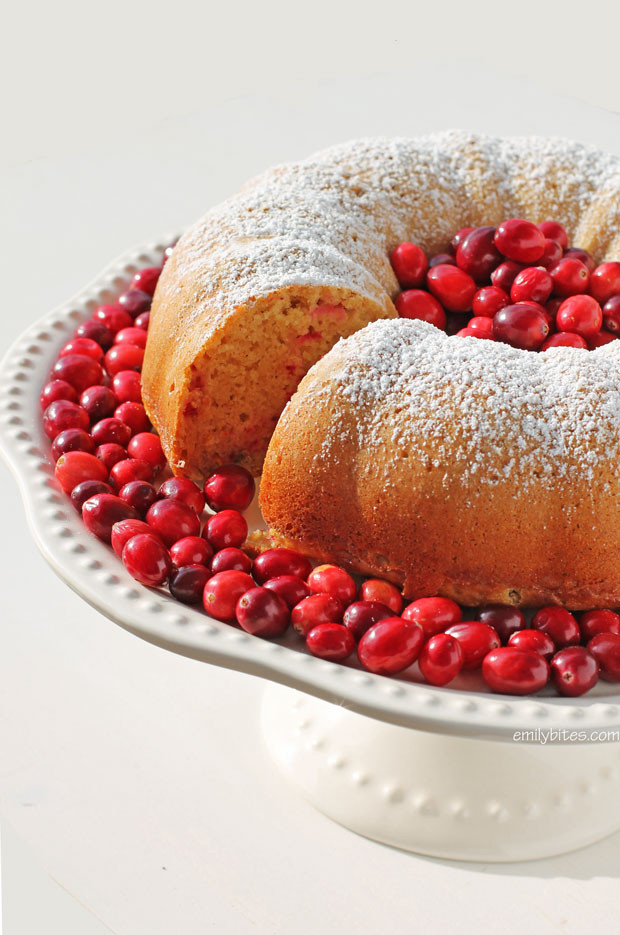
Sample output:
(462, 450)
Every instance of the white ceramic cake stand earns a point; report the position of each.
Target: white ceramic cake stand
(436, 771)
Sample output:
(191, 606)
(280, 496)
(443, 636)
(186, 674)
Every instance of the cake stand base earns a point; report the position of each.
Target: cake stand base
(439, 794)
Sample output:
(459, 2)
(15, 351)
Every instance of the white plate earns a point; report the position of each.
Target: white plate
(95, 573)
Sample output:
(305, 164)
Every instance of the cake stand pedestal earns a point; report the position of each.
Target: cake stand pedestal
(440, 794)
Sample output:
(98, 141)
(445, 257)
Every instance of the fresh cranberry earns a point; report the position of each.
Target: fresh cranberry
(504, 619)
(262, 613)
(441, 659)
(316, 609)
(570, 277)
(76, 466)
(114, 317)
(102, 511)
(147, 447)
(172, 520)
(135, 302)
(505, 274)
(168, 252)
(146, 279)
(513, 671)
(532, 284)
(440, 259)
(194, 550)
(552, 254)
(130, 469)
(476, 639)
(226, 529)
(361, 615)
(125, 530)
(520, 240)
(123, 357)
(488, 301)
(147, 560)
(222, 592)
(84, 347)
(187, 584)
(594, 622)
(98, 401)
(533, 641)
(479, 327)
(455, 322)
(434, 614)
(290, 588)
(135, 337)
(108, 431)
(376, 589)
(422, 306)
(331, 579)
(583, 255)
(581, 314)
(276, 562)
(55, 390)
(521, 326)
(230, 558)
(605, 647)
(72, 440)
(63, 414)
(110, 453)
(559, 624)
(86, 490)
(611, 314)
(477, 254)
(410, 265)
(143, 320)
(451, 286)
(390, 646)
(133, 415)
(330, 641)
(459, 237)
(139, 494)
(554, 231)
(126, 386)
(95, 331)
(230, 488)
(185, 490)
(600, 339)
(78, 370)
(605, 281)
(565, 339)
(574, 671)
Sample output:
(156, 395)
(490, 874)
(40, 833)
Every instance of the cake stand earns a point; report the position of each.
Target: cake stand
(455, 772)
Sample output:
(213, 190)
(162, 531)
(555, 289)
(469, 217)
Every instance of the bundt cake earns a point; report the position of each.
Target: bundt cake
(460, 467)
(264, 284)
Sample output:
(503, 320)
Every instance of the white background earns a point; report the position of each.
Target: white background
(124, 121)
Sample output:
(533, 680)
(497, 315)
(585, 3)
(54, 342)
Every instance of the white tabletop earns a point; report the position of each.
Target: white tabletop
(137, 778)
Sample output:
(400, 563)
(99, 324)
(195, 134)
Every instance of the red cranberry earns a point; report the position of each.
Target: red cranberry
(72, 440)
(559, 624)
(194, 550)
(55, 390)
(226, 529)
(583, 255)
(63, 414)
(565, 339)
(126, 386)
(76, 466)
(480, 327)
(422, 306)
(125, 530)
(316, 609)
(376, 589)
(187, 584)
(230, 488)
(452, 287)
(440, 259)
(172, 520)
(459, 237)
(434, 614)
(262, 613)
(521, 326)
(605, 281)
(390, 646)
(135, 302)
(605, 647)
(441, 659)
(504, 619)
(555, 231)
(123, 357)
(139, 494)
(147, 447)
(185, 490)
(504, 275)
(276, 562)
(168, 252)
(570, 277)
(581, 314)
(574, 671)
(477, 254)
(513, 671)
(146, 279)
(594, 622)
(532, 284)
(142, 321)
(102, 511)
(78, 370)
(488, 301)
(552, 254)
(534, 641)
(331, 579)
(222, 592)
(330, 641)
(108, 431)
(476, 639)
(130, 469)
(136, 337)
(290, 588)
(520, 240)
(133, 415)
(147, 560)
(362, 615)
(86, 490)
(96, 331)
(455, 322)
(410, 265)
(611, 314)
(84, 347)
(98, 401)
(598, 340)
(114, 317)
(230, 558)
(110, 454)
